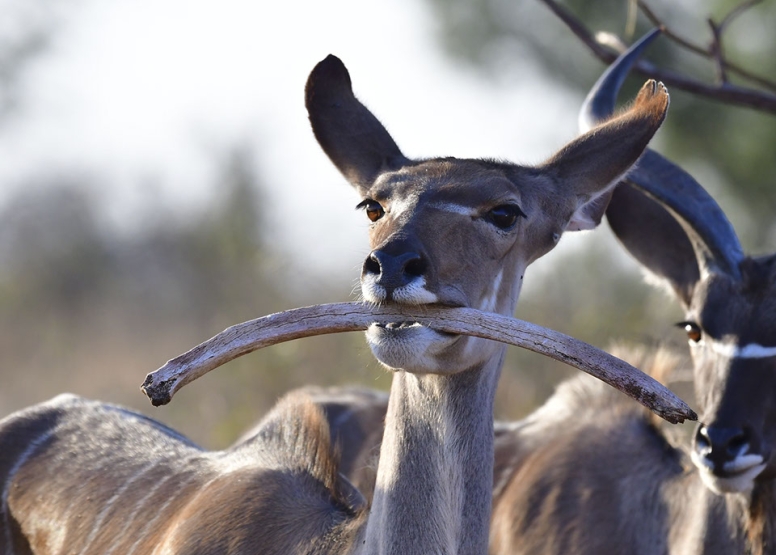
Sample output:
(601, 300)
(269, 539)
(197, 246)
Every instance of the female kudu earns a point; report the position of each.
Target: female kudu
(85, 477)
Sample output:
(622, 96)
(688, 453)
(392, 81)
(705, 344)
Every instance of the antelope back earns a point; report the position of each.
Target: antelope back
(85, 477)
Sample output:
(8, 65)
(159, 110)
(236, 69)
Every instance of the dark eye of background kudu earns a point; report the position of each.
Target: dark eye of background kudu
(692, 330)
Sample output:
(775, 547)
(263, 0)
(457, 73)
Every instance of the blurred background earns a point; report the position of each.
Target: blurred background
(159, 182)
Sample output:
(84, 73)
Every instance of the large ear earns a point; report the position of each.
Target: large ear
(353, 139)
(592, 164)
(667, 221)
(655, 238)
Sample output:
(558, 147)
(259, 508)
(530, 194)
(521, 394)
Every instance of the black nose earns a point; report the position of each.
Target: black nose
(720, 444)
(394, 269)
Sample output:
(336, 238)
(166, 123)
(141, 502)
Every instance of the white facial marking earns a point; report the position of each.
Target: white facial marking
(414, 293)
(454, 208)
(730, 350)
(372, 292)
(489, 302)
(401, 205)
(745, 466)
(743, 463)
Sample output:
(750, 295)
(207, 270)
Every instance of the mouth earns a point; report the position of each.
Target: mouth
(735, 476)
(398, 325)
(409, 345)
(407, 326)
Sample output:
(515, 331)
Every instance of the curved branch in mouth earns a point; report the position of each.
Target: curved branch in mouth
(241, 339)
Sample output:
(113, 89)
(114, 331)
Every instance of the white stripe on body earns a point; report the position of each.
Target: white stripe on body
(139, 505)
(109, 503)
(158, 513)
(31, 448)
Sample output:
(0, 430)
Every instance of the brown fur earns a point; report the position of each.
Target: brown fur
(288, 468)
(592, 473)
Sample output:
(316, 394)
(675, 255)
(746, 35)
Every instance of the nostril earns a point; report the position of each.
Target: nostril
(372, 265)
(737, 442)
(391, 269)
(415, 267)
(721, 444)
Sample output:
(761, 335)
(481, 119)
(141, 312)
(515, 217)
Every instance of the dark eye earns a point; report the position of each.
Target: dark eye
(372, 208)
(692, 330)
(504, 216)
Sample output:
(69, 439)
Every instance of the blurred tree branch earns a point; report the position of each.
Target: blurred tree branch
(724, 91)
(726, 66)
(26, 30)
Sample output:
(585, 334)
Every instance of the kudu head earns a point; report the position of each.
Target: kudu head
(454, 232)
(671, 225)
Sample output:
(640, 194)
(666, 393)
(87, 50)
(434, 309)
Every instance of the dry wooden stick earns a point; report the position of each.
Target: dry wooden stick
(162, 384)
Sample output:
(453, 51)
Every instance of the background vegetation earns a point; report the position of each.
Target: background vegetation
(88, 309)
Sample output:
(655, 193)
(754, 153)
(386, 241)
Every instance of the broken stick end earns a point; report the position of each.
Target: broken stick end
(158, 393)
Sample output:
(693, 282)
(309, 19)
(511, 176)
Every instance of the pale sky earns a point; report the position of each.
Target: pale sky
(141, 94)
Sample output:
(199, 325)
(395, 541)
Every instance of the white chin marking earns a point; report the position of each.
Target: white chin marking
(747, 468)
(411, 347)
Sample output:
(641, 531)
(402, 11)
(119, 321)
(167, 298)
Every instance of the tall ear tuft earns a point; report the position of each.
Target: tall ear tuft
(353, 139)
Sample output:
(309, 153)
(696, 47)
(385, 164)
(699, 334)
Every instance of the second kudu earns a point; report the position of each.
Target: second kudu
(598, 477)
(85, 477)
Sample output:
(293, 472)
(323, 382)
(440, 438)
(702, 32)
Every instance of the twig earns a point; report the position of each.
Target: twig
(732, 94)
(657, 22)
(729, 66)
(716, 51)
(244, 338)
(735, 12)
(706, 52)
(630, 19)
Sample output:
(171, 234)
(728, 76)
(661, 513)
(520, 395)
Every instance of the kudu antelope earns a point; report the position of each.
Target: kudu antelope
(85, 477)
(597, 477)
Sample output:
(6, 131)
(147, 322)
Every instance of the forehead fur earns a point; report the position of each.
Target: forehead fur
(759, 277)
(474, 182)
(742, 308)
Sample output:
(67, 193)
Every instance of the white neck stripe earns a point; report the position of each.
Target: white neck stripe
(752, 350)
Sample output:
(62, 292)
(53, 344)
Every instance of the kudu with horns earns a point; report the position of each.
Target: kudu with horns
(85, 477)
(598, 477)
